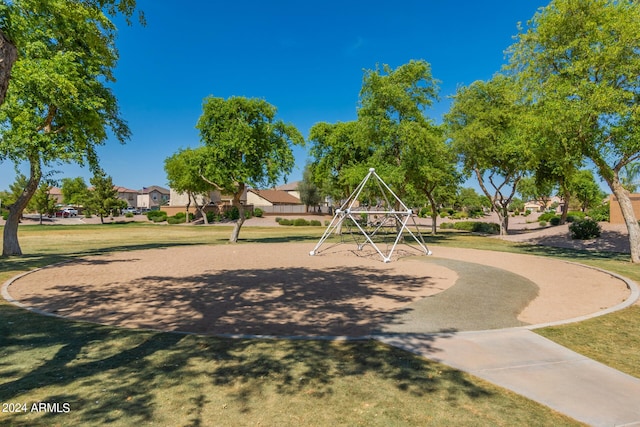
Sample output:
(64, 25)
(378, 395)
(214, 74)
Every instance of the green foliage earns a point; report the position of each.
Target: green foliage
(157, 216)
(258, 212)
(600, 213)
(232, 214)
(555, 220)
(300, 222)
(473, 226)
(315, 223)
(585, 229)
(285, 221)
(103, 199)
(74, 191)
(542, 223)
(546, 216)
(573, 216)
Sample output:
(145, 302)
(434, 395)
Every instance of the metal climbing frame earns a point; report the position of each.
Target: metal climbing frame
(348, 210)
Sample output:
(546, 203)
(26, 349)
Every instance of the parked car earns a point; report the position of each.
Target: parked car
(131, 211)
(68, 212)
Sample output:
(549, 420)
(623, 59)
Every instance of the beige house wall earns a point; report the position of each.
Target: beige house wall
(615, 214)
(254, 199)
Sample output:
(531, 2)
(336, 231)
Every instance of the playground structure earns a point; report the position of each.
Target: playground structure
(373, 225)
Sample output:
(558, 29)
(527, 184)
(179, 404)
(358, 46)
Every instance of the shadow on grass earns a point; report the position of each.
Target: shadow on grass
(116, 375)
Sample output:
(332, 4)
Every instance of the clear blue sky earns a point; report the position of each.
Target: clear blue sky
(304, 57)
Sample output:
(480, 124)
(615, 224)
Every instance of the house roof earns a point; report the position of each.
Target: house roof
(292, 186)
(147, 190)
(277, 197)
(124, 190)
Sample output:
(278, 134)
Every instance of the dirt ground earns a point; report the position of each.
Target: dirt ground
(278, 289)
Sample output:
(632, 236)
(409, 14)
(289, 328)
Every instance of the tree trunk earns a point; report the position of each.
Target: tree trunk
(565, 207)
(8, 56)
(10, 243)
(434, 215)
(237, 203)
(629, 218)
(503, 217)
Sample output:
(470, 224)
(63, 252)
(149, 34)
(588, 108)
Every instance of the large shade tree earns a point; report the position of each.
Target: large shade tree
(485, 125)
(392, 115)
(579, 62)
(59, 106)
(11, 36)
(245, 145)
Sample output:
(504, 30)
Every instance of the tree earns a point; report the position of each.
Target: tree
(184, 173)
(585, 190)
(629, 176)
(340, 157)
(309, 192)
(103, 198)
(244, 145)
(579, 63)
(392, 116)
(537, 189)
(74, 191)
(58, 107)
(43, 202)
(11, 36)
(484, 124)
(430, 166)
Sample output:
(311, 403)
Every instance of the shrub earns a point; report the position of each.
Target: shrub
(157, 216)
(180, 215)
(278, 219)
(211, 217)
(543, 223)
(232, 214)
(575, 216)
(128, 215)
(176, 220)
(154, 214)
(315, 223)
(446, 225)
(285, 222)
(300, 222)
(546, 216)
(554, 220)
(585, 229)
(443, 214)
(327, 223)
(258, 212)
(477, 227)
(460, 215)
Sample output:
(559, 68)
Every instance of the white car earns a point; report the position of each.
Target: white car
(68, 212)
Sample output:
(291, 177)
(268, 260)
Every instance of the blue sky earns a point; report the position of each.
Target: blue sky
(304, 57)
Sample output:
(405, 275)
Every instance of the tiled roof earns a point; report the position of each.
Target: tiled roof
(147, 190)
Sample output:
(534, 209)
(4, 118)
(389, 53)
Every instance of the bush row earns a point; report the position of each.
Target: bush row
(298, 222)
(473, 226)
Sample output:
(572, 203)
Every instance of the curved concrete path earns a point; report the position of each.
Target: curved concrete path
(535, 367)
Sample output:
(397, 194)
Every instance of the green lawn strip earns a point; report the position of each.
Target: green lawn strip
(127, 377)
(124, 377)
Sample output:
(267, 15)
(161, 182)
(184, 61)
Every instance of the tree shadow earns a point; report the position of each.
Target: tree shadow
(112, 375)
(277, 301)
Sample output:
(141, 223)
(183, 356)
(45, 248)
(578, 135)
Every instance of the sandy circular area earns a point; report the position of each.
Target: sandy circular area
(278, 289)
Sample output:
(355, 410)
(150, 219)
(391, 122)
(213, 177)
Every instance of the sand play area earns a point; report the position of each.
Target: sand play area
(278, 289)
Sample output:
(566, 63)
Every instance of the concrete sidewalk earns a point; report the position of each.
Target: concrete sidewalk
(537, 368)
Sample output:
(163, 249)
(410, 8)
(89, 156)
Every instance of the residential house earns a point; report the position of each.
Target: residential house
(291, 188)
(152, 197)
(215, 201)
(275, 201)
(127, 194)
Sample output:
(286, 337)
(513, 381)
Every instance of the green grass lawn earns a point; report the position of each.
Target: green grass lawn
(126, 377)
